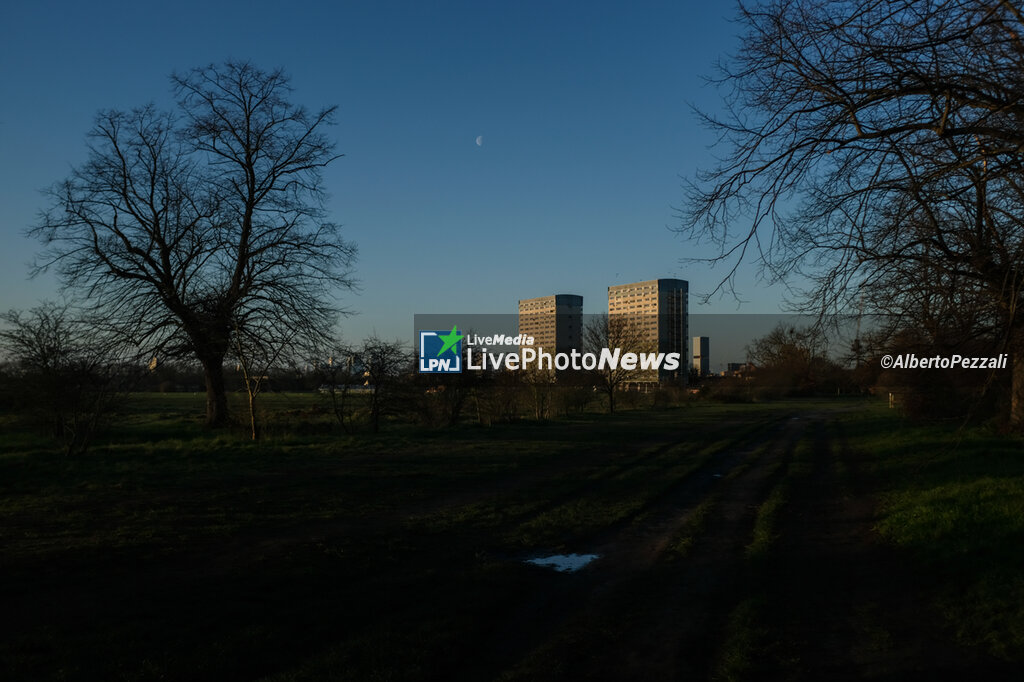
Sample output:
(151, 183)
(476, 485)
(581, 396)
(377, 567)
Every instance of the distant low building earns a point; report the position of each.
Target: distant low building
(738, 369)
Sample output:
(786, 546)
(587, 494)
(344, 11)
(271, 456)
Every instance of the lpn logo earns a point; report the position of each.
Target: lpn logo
(441, 352)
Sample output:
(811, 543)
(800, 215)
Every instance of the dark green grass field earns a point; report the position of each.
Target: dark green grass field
(168, 552)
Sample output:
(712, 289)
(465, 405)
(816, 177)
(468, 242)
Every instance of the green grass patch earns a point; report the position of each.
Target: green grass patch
(743, 642)
(954, 500)
(686, 537)
(766, 521)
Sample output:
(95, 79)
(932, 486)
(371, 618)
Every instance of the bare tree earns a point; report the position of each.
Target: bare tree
(336, 366)
(68, 372)
(180, 225)
(787, 346)
(383, 363)
(540, 385)
(498, 395)
(793, 360)
(445, 396)
(258, 349)
(866, 140)
(601, 332)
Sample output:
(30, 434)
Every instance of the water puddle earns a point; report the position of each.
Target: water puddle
(565, 563)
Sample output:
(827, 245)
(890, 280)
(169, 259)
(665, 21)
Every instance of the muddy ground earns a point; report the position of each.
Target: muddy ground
(826, 601)
(737, 545)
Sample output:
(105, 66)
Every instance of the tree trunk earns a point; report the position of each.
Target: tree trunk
(1017, 389)
(252, 410)
(375, 410)
(216, 397)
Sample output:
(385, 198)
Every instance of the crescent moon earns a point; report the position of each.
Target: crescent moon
(479, 140)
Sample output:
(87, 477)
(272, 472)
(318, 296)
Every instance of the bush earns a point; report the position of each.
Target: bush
(65, 372)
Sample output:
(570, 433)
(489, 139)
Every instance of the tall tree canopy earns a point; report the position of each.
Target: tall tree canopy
(875, 148)
(184, 227)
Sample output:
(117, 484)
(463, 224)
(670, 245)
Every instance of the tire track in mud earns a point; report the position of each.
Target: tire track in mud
(664, 506)
(621, 463)
(224, 553)
(687, 601)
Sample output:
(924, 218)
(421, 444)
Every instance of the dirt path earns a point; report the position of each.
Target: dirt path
(636, 614)
(829, 602)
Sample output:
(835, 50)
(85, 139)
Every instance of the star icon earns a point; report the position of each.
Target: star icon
(450, 340)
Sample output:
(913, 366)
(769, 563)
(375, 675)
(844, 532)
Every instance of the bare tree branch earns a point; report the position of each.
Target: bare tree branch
(876, 149)
(182, 229)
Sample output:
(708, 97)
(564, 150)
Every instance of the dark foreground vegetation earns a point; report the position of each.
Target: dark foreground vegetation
(797, 540)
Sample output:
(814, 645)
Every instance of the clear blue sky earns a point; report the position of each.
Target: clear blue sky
(582, 106)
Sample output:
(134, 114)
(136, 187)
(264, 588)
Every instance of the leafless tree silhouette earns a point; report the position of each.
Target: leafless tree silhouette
(617, 332)
(866, 140)
(69, 373)
(182, 227)
(384, 365)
